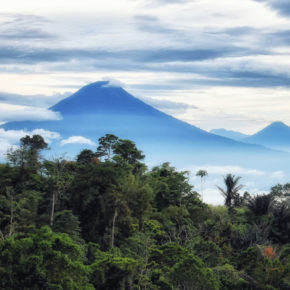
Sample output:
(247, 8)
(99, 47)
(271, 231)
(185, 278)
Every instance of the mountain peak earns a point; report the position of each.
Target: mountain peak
(102, 97)
(277, 124)
(276, 135)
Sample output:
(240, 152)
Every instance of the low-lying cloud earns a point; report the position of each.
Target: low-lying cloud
(223, 170)
(77, 140)
(24, 113)
(44, 101)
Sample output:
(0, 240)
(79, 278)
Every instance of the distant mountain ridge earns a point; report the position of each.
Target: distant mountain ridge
(99, 108)
(235, 135)
(275, 135)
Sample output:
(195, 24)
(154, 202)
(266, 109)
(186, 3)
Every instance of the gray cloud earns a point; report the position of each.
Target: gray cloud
(282, 6)
(21, 27)
(190, 57)
(151, 24)
(162, 55)
(33, 100)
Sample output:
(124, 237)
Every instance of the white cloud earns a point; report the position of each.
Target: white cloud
(13, 136)
(278, 175)
(10, 113)
(237, 170)
(212, 196)
(114, 82)
(77, 140)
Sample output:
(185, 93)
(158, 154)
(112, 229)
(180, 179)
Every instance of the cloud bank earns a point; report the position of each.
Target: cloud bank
(24, 113)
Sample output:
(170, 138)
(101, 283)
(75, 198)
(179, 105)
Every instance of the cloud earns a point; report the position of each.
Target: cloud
(32, 100)
(13, 136)
(9, 113)
(278, 175)
(164, 2)
(23, 27)
(152, 24)
(48, 136)
(282, 6)
(223, 170)
(10, 54)
(113, 82)
(77, 140)
(167, 105)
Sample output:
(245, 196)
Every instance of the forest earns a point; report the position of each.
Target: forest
(106, 221)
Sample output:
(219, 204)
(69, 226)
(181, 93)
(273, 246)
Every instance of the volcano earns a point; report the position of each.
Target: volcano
(100, 108)
(276, 135)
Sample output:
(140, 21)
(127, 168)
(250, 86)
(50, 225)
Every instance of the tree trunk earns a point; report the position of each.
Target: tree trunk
(52, 208)
(11, 214)
(201, 188)
(113, 227)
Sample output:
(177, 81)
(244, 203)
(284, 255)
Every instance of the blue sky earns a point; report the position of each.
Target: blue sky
(211, 63)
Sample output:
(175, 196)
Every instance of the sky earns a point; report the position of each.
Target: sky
(214, 64)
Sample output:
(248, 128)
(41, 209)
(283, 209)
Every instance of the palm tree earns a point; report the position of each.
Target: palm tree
(260, 204)
(231, 193)
(202, 174)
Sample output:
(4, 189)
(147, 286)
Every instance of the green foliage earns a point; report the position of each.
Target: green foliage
(230, 278)
(281, 190)
(170, 186)
(66, 222)
(208, 252)
(86, 156)
(260, 204)
(117, 225)
(110, 270)
(42, 260)
(27, 156)
(191, 273)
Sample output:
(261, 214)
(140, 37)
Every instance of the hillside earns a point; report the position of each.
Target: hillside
(235, 135)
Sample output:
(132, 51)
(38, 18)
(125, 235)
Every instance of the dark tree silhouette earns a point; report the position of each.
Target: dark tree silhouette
(231, 193)
(260, 204)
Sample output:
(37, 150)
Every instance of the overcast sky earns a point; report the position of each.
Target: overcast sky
(211, 63)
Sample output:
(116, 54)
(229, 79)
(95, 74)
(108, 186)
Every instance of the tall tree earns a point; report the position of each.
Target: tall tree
(231, 193)
(202, 174)
(58, 179)
(128, 151)
(106, 146)
(28, 155)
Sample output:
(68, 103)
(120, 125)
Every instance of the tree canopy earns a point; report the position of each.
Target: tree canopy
(106, 221)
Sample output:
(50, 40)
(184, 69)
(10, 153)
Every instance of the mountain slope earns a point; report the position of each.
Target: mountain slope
(276, 135)
(235, 135)
(99, 108)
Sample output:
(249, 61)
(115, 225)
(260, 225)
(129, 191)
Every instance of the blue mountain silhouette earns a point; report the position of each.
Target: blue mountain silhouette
(99, 108)
(276, 135)
(229, 134)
